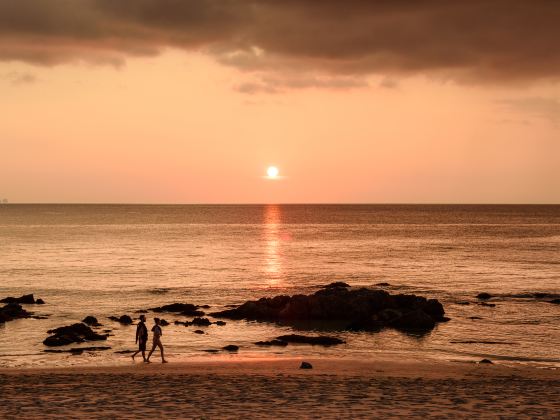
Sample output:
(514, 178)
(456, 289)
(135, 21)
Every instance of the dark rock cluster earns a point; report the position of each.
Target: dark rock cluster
(304, 339)
(12, 311)
(180, 308)
(25, 300)
(123, 319)
(200, 322)
(353, 309)
(75, 333)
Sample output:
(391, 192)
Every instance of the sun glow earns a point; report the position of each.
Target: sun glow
(272, 172)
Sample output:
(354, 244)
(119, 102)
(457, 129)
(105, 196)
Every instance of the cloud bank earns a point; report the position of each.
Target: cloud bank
(468, 41)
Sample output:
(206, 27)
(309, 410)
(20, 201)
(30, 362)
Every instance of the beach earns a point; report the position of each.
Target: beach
(277, 387)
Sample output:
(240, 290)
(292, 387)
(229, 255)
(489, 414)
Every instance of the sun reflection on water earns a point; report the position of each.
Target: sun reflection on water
(271, 234)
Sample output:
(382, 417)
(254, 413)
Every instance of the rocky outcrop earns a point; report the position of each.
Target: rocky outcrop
(271, 343)
(91, 321)
(230, 347)
(199, 322)
(75, 333)
(186, 309)
(123, 319)
(13, 311)
(314, 341)
(351, 309)
(25, 300)
(336, 284)
(79, 350)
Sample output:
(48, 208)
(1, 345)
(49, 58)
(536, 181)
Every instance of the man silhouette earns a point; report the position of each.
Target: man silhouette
(141, 337)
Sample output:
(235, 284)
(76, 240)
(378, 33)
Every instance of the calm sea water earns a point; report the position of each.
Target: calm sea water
(107, 260)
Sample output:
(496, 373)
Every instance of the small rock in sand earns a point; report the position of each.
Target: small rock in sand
(484, 296)
(306, 365)
(198, 332)
(486, 361)
(230, 347)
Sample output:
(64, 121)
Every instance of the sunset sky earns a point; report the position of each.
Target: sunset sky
(168, 101)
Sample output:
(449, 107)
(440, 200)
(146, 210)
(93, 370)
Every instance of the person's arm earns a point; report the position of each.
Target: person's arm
(137, 333)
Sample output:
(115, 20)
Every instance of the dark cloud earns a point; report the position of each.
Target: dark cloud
(475, 40)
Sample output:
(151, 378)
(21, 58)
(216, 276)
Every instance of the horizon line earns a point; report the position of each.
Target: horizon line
(109, 203)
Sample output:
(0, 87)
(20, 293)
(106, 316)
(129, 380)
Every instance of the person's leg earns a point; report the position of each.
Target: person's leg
(134, 354)
(161, 350)
(151, 351)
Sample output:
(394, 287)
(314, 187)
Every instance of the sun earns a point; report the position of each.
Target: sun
(272, 172)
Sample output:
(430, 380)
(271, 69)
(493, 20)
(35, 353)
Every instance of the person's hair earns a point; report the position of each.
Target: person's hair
(142, 317)
(156, 320)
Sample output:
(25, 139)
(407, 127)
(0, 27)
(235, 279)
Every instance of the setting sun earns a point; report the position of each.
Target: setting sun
(272, 172)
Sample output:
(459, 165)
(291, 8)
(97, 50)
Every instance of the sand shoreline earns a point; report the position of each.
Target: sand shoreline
(277, 387)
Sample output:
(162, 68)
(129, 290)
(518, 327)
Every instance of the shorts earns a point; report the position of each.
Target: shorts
(142, 345)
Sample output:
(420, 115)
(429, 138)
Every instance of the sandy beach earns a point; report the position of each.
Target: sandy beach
(267, 388)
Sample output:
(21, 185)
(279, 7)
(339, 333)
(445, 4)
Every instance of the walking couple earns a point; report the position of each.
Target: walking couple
(142, 339)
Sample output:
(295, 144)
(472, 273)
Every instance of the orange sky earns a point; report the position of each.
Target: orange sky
(183, 127)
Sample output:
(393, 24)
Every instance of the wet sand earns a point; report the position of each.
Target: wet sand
(267, 388)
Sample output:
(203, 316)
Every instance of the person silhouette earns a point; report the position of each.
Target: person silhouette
(157, 333)
(141, 337)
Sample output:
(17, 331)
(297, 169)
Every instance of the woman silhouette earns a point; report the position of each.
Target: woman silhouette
(156, 330)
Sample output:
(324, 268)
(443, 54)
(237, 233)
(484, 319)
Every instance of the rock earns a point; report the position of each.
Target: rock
(555, 301)
(25, 299)
(182, 308)
(78, 350)
(486, 361)
(211, 351)
(75, 333)
(302, 339)
(382, 284)
(39, 302)
(352, 309)
(278, 343)
(220, 323)
(91, 320)
(415, 320)
(462, 303)
(489, 305)
(125, 351)
(198, 332)
(231, 347)
(141, 311)
(484, 296)
(201, 322)
(163, 323)
(474, 317)
(13, 311)
(123, 319)
(306, 365)
(186, 324)
(335, 285)
(205, 306)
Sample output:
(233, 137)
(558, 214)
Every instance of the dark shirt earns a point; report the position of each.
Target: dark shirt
(141, 332)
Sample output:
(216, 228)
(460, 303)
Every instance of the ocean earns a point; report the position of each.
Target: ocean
(105, 260)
